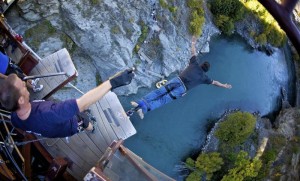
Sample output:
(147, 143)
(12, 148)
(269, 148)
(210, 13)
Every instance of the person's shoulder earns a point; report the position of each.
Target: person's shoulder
(193, 59)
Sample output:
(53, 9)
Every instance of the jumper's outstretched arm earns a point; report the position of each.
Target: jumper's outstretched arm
(193, 48)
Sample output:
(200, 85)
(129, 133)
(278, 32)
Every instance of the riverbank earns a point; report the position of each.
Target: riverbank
(280, 157)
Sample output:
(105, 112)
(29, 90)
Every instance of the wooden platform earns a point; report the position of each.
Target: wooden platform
(59, 61)
(84, 149)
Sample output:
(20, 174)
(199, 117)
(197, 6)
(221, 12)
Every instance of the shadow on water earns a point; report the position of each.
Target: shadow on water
(168, 135)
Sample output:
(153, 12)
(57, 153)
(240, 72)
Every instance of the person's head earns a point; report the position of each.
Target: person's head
(13, 93)
(205, 66)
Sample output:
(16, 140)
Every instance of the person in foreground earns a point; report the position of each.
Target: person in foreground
(53, 119)
(192, 76)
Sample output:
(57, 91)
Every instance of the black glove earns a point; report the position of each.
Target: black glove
(121, 78)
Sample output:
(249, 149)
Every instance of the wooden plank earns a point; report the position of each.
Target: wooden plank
(5, 172)
(81, 149)
(61, 149)
(87, 140)
(98, 138)
(48, 85)
(105, 124)
(64, 62)
(120, 114)
(114, 124)
(100, 127)
(59, 61)
(26, 152)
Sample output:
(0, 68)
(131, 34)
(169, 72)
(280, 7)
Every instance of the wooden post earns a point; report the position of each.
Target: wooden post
(5, 173)
(56, 169)
(26, 152)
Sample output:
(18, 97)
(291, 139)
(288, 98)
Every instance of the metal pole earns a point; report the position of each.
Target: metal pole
(45, 75)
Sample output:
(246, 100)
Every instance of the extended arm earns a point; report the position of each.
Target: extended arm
(219, 84)
(193, 48)
(92, 96)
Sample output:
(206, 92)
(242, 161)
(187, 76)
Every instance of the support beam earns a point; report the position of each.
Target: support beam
(56, 169)
(5, 172)
(26, 152)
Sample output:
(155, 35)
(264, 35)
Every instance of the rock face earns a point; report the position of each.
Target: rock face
(106, 33)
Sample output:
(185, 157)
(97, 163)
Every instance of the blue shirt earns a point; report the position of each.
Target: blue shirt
(50, 119)
(4, 60)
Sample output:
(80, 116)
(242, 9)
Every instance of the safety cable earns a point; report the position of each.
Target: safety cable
(12, 159)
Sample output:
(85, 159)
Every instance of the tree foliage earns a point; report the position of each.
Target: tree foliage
(227, 12)
(261, 39)
(225, 24)
(231, 8)
(244, 168)
(236, 128)
(197, 19)
(206, 163)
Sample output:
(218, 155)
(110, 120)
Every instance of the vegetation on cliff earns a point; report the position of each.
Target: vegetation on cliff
(244, 157)
(236, 128)
(228, 12)
(231, 162)
(196, 17)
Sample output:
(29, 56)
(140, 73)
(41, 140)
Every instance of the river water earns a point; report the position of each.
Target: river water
(166, 136)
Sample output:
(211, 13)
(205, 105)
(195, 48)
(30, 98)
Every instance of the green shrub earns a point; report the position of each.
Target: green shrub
(115, 30)
(95, 2)
(173, 9)
(194, 4)
(68, 43)
(142, 38)
(206, 163)
(261, 39)
(277, 142)
(38, 33)
(196, 23)
(163, 4)
(231, 8)
(225, 24)
(269, 156)
(244, 168)
(194, 176)
(270, 28)
(197, 18)
(236, 128)
(98, 78)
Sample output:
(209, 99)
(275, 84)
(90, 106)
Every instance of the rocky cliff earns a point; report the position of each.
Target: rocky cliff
(105, 34)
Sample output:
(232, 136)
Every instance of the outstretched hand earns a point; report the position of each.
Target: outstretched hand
(122, 78)
(227, 86)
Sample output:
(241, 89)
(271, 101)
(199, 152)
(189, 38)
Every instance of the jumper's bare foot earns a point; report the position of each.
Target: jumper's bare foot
(139, 111)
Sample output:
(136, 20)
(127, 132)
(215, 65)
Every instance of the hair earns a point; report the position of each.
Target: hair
(205, 66)
(9, 94)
